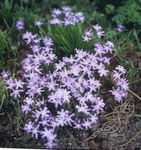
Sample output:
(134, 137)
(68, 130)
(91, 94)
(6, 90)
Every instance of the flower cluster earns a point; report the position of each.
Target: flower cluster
(120, 91)
(88, 34)
(20, 24)
(72, 88)
(65, 16)
(58, 93)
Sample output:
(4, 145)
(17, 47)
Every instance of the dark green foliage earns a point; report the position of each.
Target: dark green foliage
(66, 39)
(5, 13)
(129, 13)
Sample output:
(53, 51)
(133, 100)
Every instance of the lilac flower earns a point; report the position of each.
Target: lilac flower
(120, 28)
(59, 65)
(109, 46)
(10, 83)
(79, 17)
(18, 84)
(16, 93)
(88, 35)
(63, 118)
(44, 122)
(99, 49)
(29, 101)
(118, 94)
(123, 83)
(80, 54)
(75, 69)
(95, 83)
(99, 105)
(98, 30)
(25, 109)
(55, 21)
(52, 99)
(28, 37)
(93, 119)
(101, 70)
(89, 96)
(56, 12)
(28, 127)
(116, 75)
(69, 119)
(20, 24)
(120, 69)
(5, 75)
(16, 87)
(39, 22)
(87, 124)
(44, 113)
(61, 95)
(35, 132)
(35, 48)
(66, 9)
(36, 114)
(51, 86)
(50, 144)
(48, 133)
(78, 126)
(83, 108)
(48, 42)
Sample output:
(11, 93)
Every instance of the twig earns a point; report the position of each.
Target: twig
(130, 139)
(134, 94)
